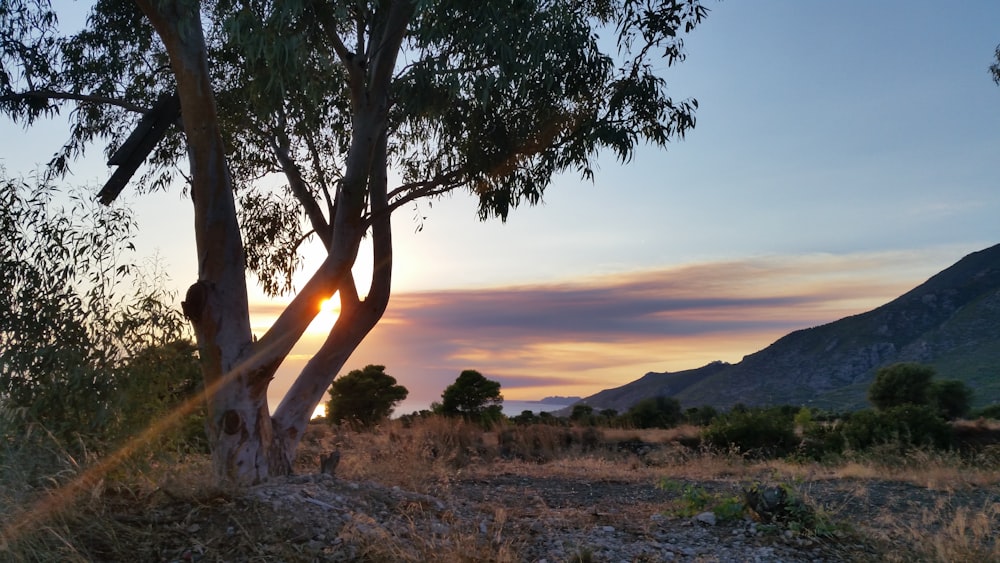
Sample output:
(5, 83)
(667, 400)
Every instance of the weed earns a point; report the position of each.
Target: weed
(693, 500)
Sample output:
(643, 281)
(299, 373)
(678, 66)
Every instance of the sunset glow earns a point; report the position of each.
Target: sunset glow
(329, 311)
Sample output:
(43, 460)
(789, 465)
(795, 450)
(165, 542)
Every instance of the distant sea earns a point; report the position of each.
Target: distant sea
(510, 408)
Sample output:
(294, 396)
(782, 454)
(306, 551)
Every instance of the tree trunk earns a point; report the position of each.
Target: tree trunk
(357, 318)
(239, 424)
(247, 445)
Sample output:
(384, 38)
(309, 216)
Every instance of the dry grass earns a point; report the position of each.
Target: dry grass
(461, 542)
(435, 452)
(959, 534)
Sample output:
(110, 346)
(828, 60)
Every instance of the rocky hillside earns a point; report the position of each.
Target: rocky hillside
(951, 322)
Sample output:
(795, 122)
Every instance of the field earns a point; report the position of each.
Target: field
(445, 490)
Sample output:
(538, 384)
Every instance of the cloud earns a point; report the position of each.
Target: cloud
(581, 336)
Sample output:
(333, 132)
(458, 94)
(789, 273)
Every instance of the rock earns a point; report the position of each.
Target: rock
(706, 518)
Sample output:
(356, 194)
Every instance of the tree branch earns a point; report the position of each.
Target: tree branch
(324, 184)
(301, 190)
(90, 98)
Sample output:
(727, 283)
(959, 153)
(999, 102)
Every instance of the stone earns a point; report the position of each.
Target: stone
(706, 518)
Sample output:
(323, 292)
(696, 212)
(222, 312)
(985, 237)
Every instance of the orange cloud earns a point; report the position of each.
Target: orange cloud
(591, 334)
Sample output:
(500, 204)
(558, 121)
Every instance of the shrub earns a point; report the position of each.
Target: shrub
(992, 411)
(700, 416)
(953, 398)
(542, 443)
(655, 412)
(905, 425)
(758, 433)
(901, 384)
(91, 348)
(692, 500)
(821, 442)
(526, 417)
(364, 397)
(582, 414)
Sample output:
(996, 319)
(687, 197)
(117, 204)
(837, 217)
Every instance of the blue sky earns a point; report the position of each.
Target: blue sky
(844, 152)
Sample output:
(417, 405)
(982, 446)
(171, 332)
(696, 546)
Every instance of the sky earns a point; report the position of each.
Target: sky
(844, 152)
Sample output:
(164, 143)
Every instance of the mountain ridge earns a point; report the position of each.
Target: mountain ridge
(950, 322)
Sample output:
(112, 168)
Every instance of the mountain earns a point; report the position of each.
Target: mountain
(951, 322)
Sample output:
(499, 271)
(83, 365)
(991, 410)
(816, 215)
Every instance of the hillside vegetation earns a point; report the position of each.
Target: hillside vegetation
(949, 322)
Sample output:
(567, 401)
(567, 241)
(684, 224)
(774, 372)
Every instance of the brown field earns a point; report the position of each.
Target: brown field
(447, 490)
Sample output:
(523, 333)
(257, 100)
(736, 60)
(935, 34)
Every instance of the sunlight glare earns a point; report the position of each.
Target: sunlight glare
(329, 310)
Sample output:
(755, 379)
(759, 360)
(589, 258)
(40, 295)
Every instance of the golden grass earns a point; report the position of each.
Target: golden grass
(434, 452)
(960, 534)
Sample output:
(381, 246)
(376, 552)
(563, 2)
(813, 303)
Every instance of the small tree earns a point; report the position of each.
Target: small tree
(474, 397)
(582, 414)
(655, 412)
(953, 398)
(901, 384)
(364, 397)
(700, 416)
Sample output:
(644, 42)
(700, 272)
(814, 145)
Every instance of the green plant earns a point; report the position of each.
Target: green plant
(901, 384)
(474, 397)
(953, 398)
(655, 412)
(992, 411)
(905, 426)
(693, 500)
(757, 433)
(782, 507)
(700, 416)
(90, 347)
(822, 441)
(364, 397)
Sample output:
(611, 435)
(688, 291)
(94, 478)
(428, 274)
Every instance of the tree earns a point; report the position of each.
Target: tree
(582, 413)
(655, 412)
(995, 67)
(473, 397)
(953, 398)
(365, 397)
(490, 97)
(901, 384)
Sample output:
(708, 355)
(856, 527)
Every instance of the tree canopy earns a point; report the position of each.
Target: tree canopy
(312, 121)
(901, 384)
(995, 67)
(364, 397)
(473, 396)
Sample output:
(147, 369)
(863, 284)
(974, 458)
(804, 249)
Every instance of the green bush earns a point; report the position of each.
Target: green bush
(992, 411)
(758, 433)
(901, 384)
(822, 442)
(91, 349)
(700, 416)
(906, 426)
(655, 412)
(363, 397)
(473, 397)
(952, 397)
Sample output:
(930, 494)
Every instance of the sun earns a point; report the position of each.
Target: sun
(329, 311)
(329, 306)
